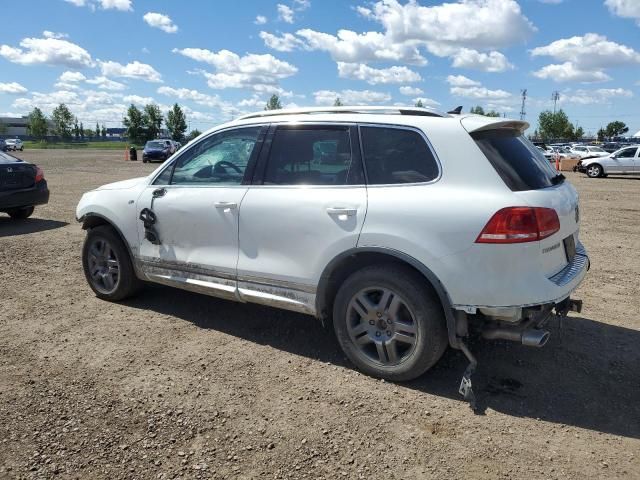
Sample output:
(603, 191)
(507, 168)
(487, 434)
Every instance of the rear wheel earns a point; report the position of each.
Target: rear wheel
(21, 213)
(107, 265)
(388, 323)
(594, 171)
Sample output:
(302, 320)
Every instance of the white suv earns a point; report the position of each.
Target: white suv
(402, 228)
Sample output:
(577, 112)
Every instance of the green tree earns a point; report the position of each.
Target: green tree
(615, 129)
(176, 123)
(477, 110)
(152, 120)
(103, 132)
(338, 102)
(134, 123)
(62, 119)
(97, 130)
(492, 113)
(82, 131)
(419, 104)
(3, 128)
(37, 126)
(89, 133)
(554, 125)
(193, 134)
(602, 134)
(76, 129)
(273, 103)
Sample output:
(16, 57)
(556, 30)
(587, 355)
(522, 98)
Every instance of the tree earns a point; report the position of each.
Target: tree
(193, 134)
(3, 128)
(152, 120)
(492, 113)
(553, 125)
(134, 124)
(62, 119)
(176, 123)
(76, 129)
(273, 103)
(419, 104)
(104, 132)
(602, 134)
(615, 129)
(97, 130)
(89, 133)
(81, 131)
(37, 126)
(338, 102)
(477, 110)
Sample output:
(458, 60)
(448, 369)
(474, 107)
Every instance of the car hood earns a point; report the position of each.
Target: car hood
(122, 185)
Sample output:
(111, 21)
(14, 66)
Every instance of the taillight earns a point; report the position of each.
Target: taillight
(519, 225)
(39, 174)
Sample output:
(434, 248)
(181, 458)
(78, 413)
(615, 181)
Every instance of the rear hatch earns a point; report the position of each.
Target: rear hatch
(15, 174)
(527, 173)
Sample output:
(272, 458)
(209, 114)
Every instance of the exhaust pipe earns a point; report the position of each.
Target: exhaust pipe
(528, 338)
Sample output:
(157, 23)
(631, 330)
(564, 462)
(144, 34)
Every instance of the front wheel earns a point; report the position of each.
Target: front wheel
(388, 323)
(594, 171)
(107, 265)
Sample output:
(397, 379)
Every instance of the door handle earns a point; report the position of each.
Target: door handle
(159, 192)
(226, 205)
(349, 212)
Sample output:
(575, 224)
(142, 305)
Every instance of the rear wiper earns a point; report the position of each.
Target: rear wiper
(559, 178)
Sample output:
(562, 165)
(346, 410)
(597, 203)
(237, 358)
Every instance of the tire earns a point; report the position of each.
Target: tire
(21, 213)
(144, 160)
(21, 149)
(105, 255)
(594, 170)
(398, 341)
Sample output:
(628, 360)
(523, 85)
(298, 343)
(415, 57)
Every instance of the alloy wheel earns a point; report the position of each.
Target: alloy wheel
(104, 267)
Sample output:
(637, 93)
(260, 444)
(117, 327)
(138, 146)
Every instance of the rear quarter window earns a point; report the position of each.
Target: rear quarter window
(518, 162)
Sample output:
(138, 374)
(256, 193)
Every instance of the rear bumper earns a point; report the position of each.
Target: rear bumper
(38, 195)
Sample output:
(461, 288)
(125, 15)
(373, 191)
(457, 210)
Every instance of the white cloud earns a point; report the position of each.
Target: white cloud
(77, 3)
(49, 34)
(350, 97)
(410, 91)
(69, 77)
(598, 96)
(487, 62)
(135, 70)
(138, 100)
(624, 8)
(284, 43)
(104, 83)
(260, 20)
(252, 71)
(12, 87)
(161, 21)
(211, 101)
(568, 72)
(122, 5)
(375, 76)
(461, 81)
(48, 51)
(427, 102)
(285, 13)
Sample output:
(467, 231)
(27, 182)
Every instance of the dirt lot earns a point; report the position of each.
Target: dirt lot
(174, 384)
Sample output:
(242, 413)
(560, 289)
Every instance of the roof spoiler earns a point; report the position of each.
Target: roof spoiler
(479, 123)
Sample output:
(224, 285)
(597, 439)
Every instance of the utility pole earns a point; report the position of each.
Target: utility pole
(555, 96)
(523, 112)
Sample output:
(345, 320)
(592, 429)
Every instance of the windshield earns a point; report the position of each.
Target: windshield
(520, 165)
(155, 145)
(596, 149)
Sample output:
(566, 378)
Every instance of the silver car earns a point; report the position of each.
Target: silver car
(14, 144)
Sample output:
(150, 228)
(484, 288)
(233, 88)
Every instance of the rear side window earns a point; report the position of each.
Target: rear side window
(311, 156)
(395, 155)
(520, 165)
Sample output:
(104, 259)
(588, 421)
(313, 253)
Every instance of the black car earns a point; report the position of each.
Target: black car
(22, 186)
(156, 150)
(611, 146)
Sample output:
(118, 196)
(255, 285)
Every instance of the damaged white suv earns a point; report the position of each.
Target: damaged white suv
(403, 228)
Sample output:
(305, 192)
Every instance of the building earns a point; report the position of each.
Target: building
(14, 126)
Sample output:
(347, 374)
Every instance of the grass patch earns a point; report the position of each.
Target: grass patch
(76, 145)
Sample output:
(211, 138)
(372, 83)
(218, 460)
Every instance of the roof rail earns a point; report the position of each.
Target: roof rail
(419, 111)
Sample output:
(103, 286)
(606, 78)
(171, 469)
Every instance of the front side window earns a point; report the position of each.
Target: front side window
(220, 159)
(394, 155)
(627, 153)
(307, 155)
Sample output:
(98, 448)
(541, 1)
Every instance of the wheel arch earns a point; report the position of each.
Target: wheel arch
(351, 260)
(92, 220)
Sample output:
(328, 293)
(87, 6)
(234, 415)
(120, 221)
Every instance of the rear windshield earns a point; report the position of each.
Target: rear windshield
(520, 165)
(156, 145)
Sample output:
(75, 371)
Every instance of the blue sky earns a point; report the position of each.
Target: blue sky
(222, 58)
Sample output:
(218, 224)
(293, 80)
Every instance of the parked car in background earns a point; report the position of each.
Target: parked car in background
(3, 145)
(156, 150)
(625, 161)
(588, 151)
(547, 152)
(22, 187)
(14, 144)
(368, 218)
(611, 146)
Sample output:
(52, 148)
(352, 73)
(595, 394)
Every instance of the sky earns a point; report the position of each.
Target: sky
(219, 59)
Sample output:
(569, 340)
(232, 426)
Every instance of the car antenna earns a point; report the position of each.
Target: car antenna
(457, 110)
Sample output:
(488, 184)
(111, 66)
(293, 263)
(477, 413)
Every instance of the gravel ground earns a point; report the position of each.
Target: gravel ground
(178, 385)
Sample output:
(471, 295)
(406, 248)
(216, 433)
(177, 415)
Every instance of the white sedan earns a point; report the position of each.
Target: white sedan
(588, 151)
(625, 161)
(14, 144)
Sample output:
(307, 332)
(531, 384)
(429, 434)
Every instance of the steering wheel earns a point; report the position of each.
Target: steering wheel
(225, 164)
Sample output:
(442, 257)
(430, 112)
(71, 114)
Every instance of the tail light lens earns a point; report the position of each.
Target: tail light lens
(39, 174)
(519, 225)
